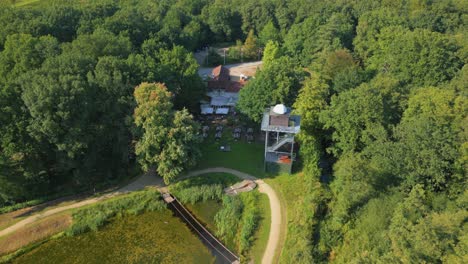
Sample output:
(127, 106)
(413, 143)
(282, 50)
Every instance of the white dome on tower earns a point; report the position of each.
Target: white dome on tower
(280, 109)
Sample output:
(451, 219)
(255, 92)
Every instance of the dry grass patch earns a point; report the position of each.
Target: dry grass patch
(35, 232)
(11, 218)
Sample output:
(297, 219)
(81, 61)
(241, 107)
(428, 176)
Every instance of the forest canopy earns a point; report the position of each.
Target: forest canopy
(381, 87)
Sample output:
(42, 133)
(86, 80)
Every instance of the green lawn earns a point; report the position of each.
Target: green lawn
(261, 236)
(154, 237)
(244, 156)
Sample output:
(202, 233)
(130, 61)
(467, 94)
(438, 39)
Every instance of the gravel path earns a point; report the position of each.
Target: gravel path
(150, 180)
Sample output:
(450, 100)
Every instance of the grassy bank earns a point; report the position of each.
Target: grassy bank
(96, 216)
(152, 237)
(300, 197)
(263, 230)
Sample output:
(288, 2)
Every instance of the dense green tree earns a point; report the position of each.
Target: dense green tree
(428, 145)
(255, 14)
(213, 58)
(417, 234)
(23, 53)
(181, 149)
(236, 51)
(278, 83)
(370, 25)
(269, 33)
(250, 48)
(311, 101)
(222, 21)
(168, 139)
(179, 71)
(368, 240)
(353, 186)
(271, 53)
(100, 43)
(401, 52)
(353, 115)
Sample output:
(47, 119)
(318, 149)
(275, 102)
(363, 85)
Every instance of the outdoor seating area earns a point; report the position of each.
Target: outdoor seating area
(225, 127)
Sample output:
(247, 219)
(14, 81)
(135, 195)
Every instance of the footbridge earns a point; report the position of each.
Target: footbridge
(222, 253)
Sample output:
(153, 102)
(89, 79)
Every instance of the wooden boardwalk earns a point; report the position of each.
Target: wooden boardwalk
(222, 253)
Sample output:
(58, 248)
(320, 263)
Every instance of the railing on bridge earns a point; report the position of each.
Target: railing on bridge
(211, 241)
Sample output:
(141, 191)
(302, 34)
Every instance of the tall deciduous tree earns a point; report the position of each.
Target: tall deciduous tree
(401, 53)
(169, 140)
(251, 46)
(272, 52)
(269, 33)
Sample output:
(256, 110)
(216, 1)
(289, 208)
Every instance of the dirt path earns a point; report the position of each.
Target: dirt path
(140, 183)
(149, 180)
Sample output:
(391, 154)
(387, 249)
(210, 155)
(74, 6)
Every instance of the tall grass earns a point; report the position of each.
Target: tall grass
(200, 193)
(249, 221)
(237, 221)
(94, 217)
(227, 219)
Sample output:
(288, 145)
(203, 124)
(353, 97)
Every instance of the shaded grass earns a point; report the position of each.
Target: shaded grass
(152, 237)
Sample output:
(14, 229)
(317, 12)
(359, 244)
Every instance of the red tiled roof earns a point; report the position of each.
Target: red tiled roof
(234, 87)
(228, 86)
(220, 73)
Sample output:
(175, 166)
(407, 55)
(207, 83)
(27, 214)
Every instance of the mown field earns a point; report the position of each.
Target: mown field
(152, 237)
(244, 156)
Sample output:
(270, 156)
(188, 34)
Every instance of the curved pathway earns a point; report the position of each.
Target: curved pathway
(149, 180)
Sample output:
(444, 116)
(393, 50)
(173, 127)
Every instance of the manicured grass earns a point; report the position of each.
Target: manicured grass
(153, 237)
(263, 231)
(244, 156)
